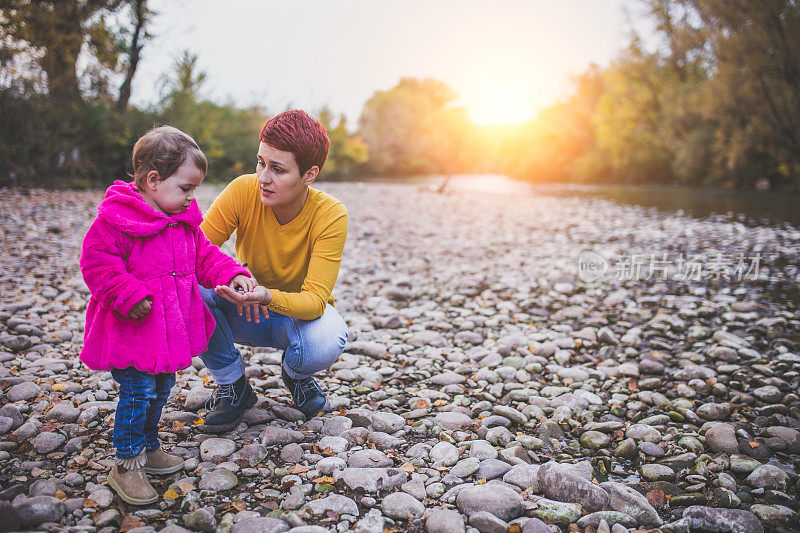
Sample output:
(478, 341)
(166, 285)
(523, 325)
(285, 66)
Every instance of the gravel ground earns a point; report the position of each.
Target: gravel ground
(485, 386)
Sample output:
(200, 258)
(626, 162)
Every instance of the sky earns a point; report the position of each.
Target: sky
(506, 59)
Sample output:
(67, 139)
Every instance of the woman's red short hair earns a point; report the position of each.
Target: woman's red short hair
(294, 131)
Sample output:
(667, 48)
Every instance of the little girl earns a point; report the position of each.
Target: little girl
(142, 259)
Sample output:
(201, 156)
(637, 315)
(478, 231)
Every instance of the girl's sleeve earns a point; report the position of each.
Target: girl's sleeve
(104, 270)
(214, 267)
(323, 269)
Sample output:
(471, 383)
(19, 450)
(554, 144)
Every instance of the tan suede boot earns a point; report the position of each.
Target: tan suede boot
(132, 484)
(161, 462)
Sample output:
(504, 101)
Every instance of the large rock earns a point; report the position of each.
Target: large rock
(9, 518)
(387, 422)
(219, 479)
(40, 509)
(63, 412)
(558, 482)
(486, 522)
(252, 454)
(48, 441)
(335, 502)
(427, 338)
(524, 476)
(451, 420)
(279, 436)
(721, 438)
(722, 520)
(260, 525)
(497, 498)
(402, 506)
(626, 500)
(444, 521)
(372, 479)
(23, 391)
(768, 476)
(216, 449)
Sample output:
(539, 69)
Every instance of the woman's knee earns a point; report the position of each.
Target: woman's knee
(322, 341)
(332, 342)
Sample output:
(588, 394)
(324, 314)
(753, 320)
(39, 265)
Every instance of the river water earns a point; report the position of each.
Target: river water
(748, 207)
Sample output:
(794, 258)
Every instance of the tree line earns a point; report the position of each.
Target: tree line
(715, 103)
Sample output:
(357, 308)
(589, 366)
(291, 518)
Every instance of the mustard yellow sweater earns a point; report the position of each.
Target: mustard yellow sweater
(299, 261)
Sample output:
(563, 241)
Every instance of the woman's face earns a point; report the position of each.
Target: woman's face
(279, 179)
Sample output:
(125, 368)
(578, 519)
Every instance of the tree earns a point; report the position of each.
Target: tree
(751, 49)
(412, 129)
(347, 151)
(55, 32)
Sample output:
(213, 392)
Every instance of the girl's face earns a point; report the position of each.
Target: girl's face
(174, 194)
(279, 179)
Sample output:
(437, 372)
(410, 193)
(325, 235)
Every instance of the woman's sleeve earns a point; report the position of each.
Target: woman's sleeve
(213, 266)
(104, 270)
(323, 269)
(222, 217)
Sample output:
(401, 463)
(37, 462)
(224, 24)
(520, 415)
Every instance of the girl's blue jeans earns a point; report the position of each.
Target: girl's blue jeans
(141, 398)
(310, 345)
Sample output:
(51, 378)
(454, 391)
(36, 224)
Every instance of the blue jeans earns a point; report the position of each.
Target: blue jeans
(141, 398)
(310, 345)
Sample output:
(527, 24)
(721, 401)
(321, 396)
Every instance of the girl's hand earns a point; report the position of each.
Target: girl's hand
(248, 303)
(140, 309)
(242, 283)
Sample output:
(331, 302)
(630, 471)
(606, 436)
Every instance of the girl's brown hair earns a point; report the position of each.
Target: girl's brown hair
(164, 149)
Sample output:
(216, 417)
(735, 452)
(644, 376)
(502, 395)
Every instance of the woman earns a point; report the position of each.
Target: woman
(291, 237)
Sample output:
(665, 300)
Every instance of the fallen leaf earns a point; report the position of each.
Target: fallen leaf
(130, 522)
(481, 481)
(299, 469)
(754, 444)
(656, 498)
(199, 422)
(171, 494)
(324, 479)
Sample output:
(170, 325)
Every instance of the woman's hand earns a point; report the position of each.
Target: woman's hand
(140, 309)
(242, 283)
(248, 303)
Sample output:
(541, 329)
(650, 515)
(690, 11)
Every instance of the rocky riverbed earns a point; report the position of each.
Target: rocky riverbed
(484, 387)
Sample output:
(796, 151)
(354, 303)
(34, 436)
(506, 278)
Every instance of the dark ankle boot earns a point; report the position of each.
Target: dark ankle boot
(306, 393)
(230, 402)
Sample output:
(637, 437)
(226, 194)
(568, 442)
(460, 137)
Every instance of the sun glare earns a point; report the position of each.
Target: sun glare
(499, 105)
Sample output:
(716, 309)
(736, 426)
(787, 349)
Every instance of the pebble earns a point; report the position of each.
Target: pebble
(216, 449)
(560, 483)
(721, 438)
(48, 441)
(444, 453)
(714, 519)
(218, 480)
(499, 499)
(335, 502)
(23, 391)
(38, 510)
(486, 522)
(444, 521)
(402, 506)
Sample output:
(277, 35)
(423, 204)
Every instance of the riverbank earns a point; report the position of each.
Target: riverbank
(505, 351)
